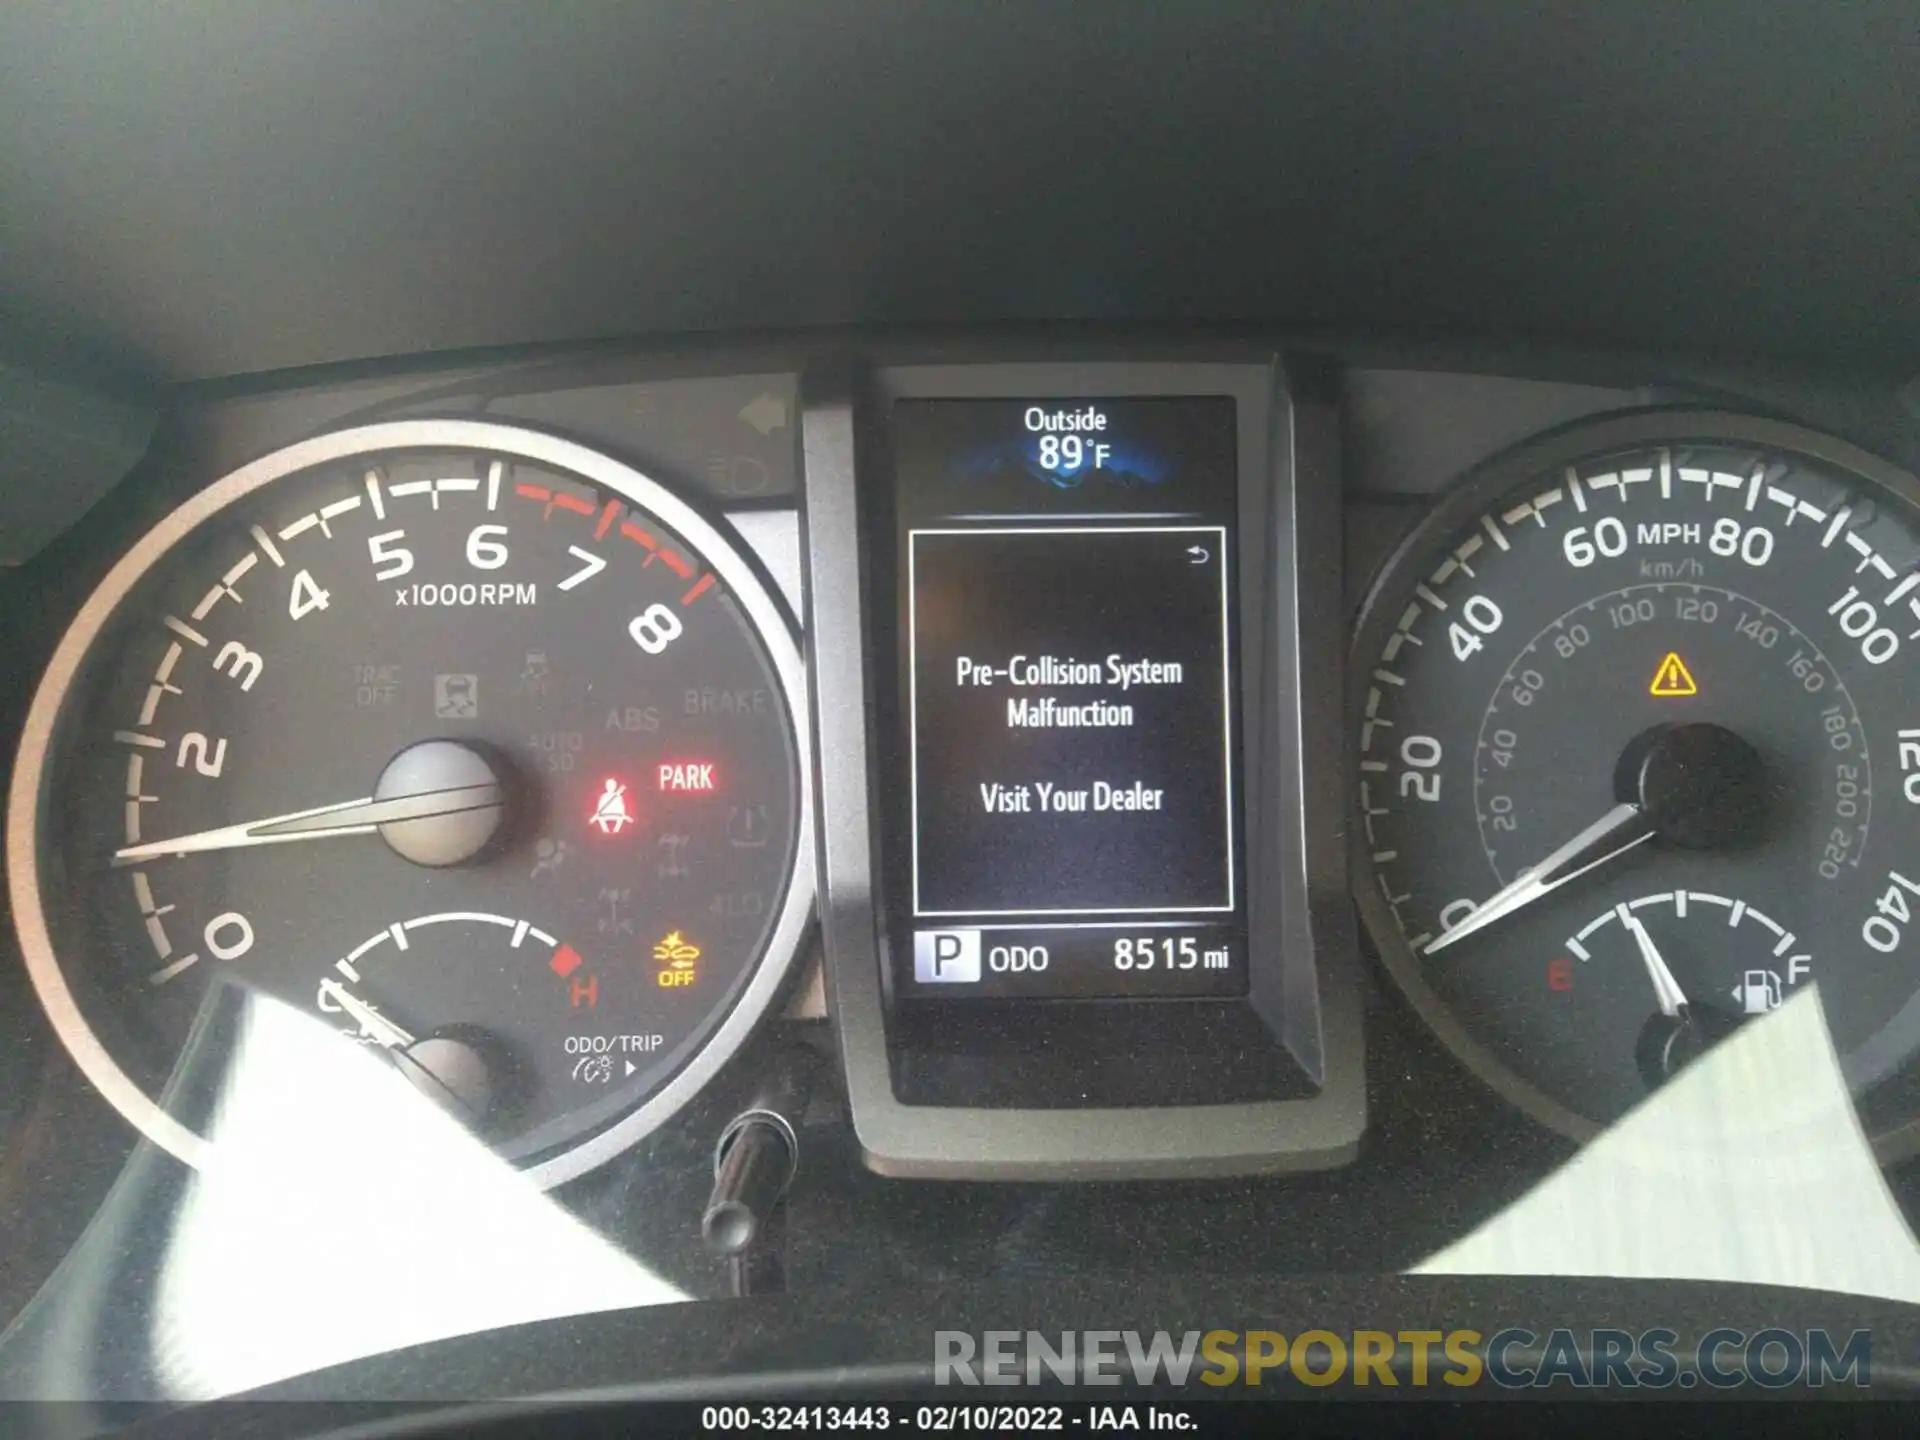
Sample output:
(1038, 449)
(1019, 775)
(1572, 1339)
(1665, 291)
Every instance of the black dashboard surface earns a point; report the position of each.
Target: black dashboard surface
(193, 196)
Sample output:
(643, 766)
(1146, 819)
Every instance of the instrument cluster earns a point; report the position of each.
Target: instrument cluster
(982, 706)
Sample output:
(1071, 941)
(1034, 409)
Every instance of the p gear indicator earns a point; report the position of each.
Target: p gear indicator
(1673, 681)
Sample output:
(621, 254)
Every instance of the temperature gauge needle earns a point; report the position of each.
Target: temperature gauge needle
(452, 1074)
(383, 1030)
(354, 817)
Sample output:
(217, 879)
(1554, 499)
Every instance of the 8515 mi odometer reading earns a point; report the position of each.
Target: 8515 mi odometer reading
(1639, 758)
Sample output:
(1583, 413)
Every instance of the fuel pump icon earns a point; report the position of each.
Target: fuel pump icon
(1758, 992)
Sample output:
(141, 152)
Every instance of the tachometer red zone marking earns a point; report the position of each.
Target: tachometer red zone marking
(550, 500)
(652, 546)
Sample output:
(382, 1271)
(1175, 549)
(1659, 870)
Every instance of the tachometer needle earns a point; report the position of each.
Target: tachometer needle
(1667, 993)
(381, 1029)
(1612, 835)
(354, 817)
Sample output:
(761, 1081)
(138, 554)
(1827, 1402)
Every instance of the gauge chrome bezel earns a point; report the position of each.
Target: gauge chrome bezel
(27, 797)
(1392, 584)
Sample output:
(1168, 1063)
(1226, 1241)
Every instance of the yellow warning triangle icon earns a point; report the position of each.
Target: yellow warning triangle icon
(1673, 680)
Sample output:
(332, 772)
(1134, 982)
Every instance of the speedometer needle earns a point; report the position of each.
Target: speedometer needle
(1613, 834)
(371, 1020)
(1699, 786)
(354, 817)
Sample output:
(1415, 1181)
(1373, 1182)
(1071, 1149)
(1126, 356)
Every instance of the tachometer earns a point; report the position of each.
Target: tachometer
(1639, 757)
(478, 746)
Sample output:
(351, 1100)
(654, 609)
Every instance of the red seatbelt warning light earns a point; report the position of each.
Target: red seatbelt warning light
(611, 814)
(691, 777)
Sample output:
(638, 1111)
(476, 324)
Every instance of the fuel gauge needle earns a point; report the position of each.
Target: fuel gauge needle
(1667, 993)
(371, 1020)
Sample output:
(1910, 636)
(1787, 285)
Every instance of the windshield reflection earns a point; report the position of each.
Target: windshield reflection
(1749, 1165)
(342, 1215)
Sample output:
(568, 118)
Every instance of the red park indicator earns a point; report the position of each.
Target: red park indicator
(687, 778)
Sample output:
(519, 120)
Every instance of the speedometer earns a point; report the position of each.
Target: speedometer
(1639, 759)
(478, 747)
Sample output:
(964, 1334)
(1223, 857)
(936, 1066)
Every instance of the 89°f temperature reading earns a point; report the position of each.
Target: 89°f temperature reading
(1067, 453)
(1064, 445)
